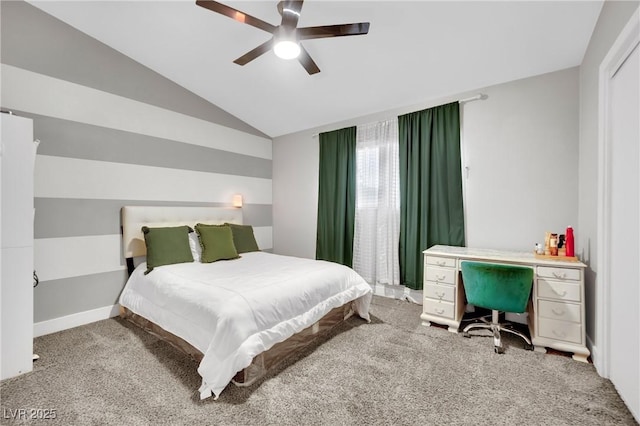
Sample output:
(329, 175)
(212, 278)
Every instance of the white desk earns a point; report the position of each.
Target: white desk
(556, 308)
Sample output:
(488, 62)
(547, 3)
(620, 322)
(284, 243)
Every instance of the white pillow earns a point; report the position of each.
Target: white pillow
(194, 245)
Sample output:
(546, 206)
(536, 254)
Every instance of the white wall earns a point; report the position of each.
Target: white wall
(521, 145)
(295, 194)
(521, 150)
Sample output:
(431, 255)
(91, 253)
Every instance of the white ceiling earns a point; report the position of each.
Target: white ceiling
(415, 51)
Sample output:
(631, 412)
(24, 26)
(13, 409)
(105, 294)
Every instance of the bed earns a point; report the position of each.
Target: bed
(238, 317)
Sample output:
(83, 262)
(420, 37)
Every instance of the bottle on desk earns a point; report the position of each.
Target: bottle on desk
(569, 242)
(553, 245)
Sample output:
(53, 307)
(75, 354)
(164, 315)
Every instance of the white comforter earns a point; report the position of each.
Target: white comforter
(233, 310)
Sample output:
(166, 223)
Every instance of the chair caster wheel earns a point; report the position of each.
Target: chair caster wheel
(498, 349)
(528, 347)
(466, 334)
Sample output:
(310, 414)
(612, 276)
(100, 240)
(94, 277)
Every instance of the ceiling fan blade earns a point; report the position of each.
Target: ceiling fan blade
(333, 31)
(236, 15)
(290, 11)
(253, 54)
(307, 62)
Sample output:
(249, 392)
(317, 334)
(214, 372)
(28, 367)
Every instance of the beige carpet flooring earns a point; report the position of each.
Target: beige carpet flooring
(393, 371)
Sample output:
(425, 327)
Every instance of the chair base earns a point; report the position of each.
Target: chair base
(496, 327)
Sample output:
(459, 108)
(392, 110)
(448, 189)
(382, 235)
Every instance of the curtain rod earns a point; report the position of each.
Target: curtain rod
(478, 97)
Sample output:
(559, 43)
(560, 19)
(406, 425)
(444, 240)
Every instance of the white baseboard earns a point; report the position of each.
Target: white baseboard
(595, 357)
(74, 320)
(398, 292)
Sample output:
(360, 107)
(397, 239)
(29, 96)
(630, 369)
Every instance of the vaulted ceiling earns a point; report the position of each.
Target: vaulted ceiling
(415, 51)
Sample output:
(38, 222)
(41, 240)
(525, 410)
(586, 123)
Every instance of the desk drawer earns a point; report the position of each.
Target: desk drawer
(439, 292)
(446, 262)
(559, 273)
(559, 311)
(440, 275)
(443, 309)
(559, 290)
(560, 330)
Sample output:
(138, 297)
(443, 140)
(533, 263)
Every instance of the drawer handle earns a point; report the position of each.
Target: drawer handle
(560, 334)
(439, 311)
(440, 295)
(440, 277)
(441, 263)
(559, 312)
(561, 294)
(561, 276)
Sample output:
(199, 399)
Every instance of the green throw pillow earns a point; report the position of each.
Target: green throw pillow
(216, 242)
(243, 238)
(166, 246)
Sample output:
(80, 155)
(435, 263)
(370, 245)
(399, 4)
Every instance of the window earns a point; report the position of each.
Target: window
(377, 217)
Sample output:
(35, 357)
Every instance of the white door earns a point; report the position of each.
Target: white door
(624, 245)
(16, 282)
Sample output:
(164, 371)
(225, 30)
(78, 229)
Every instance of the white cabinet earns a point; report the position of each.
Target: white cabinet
(443, 301)
(17, 160)
(558, 308)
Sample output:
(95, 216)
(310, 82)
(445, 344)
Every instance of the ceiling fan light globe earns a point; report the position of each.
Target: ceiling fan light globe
(286, 49)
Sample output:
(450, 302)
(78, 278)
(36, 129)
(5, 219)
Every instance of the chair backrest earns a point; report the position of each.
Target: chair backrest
(497, 287)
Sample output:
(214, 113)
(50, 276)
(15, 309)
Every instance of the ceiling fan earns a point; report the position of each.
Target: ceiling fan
(286, 36)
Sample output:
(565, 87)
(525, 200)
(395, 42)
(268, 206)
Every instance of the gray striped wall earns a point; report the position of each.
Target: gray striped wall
(36, 41)
(93, 158)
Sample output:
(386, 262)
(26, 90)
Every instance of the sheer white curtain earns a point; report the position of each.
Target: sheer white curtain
(377, 221)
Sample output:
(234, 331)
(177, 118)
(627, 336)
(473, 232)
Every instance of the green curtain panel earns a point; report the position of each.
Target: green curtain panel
(431, 209)
(337, 196)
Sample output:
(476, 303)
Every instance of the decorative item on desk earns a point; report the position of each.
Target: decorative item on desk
(557, 247)
(553, 245)
(561, 246)
(560, 241)
(570, 242)
(547, 247)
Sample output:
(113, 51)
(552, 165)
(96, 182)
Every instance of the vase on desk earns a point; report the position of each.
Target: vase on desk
(569, 242)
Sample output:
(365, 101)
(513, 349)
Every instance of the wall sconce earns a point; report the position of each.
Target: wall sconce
(237, 200)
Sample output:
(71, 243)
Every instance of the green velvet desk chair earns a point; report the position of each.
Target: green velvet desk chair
(501, 288)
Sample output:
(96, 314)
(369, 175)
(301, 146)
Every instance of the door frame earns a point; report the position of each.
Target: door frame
(628, 39)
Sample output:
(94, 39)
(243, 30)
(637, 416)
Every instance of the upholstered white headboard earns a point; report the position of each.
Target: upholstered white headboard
(135, 217)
